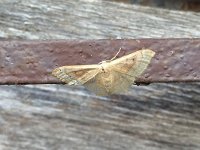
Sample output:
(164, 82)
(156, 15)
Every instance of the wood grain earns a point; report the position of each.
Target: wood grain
(43, 117)
(86, 19)
(160, 116)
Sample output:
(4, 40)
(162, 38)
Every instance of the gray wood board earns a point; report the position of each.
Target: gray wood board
(88, 19)
(160, 116)
(41, 117)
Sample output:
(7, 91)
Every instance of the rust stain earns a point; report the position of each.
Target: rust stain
(31, 62)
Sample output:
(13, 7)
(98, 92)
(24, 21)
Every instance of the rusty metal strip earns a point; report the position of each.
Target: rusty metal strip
(31, 62)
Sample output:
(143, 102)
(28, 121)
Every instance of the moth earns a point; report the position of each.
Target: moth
(108, 77)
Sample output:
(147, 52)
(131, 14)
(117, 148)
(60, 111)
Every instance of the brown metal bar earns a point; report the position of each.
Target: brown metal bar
(30, 62)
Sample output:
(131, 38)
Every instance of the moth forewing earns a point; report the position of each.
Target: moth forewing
(145, 53)
(133, 64)
(75, 75)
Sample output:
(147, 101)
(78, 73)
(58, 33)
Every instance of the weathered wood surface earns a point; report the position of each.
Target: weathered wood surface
(41, 117)
(88, 19)
(32, 61)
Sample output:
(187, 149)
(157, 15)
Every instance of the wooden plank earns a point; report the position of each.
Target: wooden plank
(26, 62)
(84, 19)
(43, 117)
(60, 117)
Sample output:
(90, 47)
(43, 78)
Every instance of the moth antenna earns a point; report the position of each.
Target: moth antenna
(116, 54)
